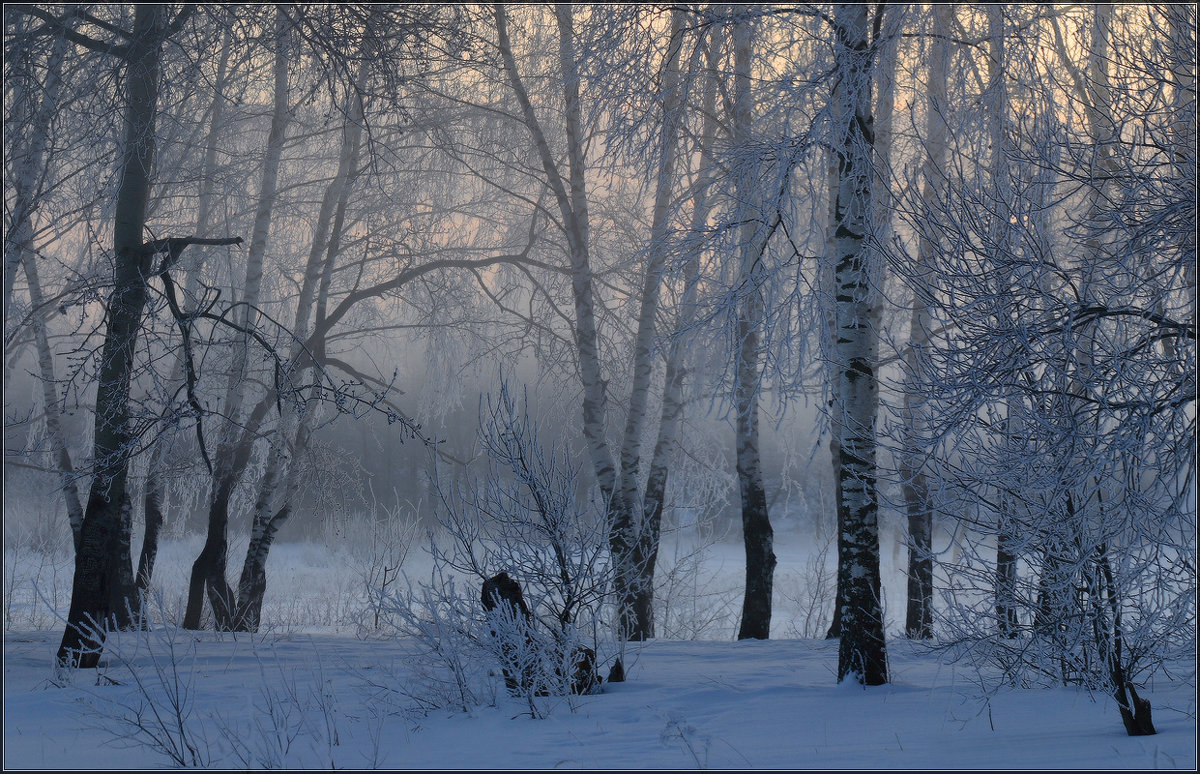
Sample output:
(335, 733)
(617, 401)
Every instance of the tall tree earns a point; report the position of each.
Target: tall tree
(634, 577)
(152, 498)
(665, 447)
(103, 589)
(279, 485)
(862, 652)
(913, 476)
(236, 439)
(752, 241)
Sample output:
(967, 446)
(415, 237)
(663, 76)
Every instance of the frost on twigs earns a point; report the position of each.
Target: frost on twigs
(539, 639)
(515, 635)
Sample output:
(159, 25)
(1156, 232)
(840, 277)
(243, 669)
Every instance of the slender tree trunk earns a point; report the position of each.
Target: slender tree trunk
(646, 557)
(19, 251)
(1007, 538)
(58, 443)
(235, 446)
(862, 652)
(574, 204)
(570, 194)
(756, 524)
(153, 514)
(919, 615)
(274, 503)
(18, 243)
(633, 586)
(103, 586)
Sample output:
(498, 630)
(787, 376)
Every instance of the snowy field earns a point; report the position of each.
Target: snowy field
(322, 687)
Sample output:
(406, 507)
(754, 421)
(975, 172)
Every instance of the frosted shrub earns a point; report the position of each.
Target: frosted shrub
(522, 519)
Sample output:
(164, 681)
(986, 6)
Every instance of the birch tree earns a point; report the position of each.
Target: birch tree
(29, 178)
(235, 443)
(634, 576)
(752, 238)
(103, 588)
(153, 508)
(861, 653)
(665, 447)
(1075, 418)
(569, 191)
(914, 478)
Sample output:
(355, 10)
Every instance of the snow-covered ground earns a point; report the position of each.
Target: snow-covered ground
(314, 691)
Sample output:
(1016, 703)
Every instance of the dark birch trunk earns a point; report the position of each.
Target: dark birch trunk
(1006, 580)
(919, 614)
(236, 444)
(757, 534)
(103, 587)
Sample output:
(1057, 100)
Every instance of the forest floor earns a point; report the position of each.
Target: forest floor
(317, 701)
(322, 692)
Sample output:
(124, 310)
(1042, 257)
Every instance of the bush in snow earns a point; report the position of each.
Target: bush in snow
(523, 519)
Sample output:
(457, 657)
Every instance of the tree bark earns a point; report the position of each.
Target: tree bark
(919, 615)
(862, 652)
(757, 534)
(103, 586)
(236, 444)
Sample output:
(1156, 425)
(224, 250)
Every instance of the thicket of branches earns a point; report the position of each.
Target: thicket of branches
(954, 246)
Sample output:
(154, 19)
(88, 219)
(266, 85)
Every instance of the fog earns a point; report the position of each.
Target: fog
(880, 303)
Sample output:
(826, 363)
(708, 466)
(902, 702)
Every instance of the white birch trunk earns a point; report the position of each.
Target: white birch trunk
(58, 444)
(19, 241)
(862, 652)
(626, 507)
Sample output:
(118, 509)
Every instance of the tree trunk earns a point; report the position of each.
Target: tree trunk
(103, 585)
(1006, 579)
(634, 585)
(153, 497)
(18, 243)
(570, 194)
(646, 557)
(1007, 556)
(19, 251)
(862, 652)
(274, 503)
(58, 443)
(236, 444)
(756, 524)
(919, 615)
